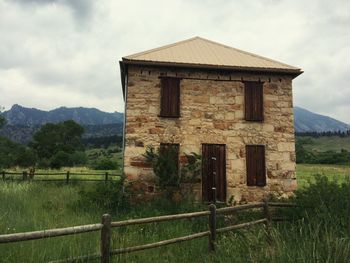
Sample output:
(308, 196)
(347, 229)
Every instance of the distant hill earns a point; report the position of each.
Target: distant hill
(19, 115)
(307, 121)
(23, 122)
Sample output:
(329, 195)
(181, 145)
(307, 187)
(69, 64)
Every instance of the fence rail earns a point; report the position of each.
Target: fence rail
(66, 176)
(106, 226)
(49, 233)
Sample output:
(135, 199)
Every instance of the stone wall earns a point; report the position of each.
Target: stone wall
(212, 111)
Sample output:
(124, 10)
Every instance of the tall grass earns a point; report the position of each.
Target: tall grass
(318, 232)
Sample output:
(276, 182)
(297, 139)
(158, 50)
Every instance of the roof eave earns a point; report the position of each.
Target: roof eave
(294, 72)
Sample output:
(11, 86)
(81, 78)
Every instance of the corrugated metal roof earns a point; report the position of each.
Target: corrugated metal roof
(200, 52)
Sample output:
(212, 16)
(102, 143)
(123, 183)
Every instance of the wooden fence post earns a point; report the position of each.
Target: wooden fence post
(24, 175)
(106, 238)
(212, 227)
(267, 215)
(214, 195)
(106, 176)
(67, 177)
(3, 175)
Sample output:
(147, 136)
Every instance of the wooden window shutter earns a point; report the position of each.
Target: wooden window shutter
(253, 99)
(255, 160)
(170, 97)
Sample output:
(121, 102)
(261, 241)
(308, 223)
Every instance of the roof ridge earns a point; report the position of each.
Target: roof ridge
(246, 52)
(160, 48)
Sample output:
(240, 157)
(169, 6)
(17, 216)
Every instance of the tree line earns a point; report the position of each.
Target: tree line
(55, 146)
(315, 134)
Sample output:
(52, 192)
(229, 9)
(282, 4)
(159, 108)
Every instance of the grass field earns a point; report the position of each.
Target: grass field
(76, 173)
(338, 173)
(36, 206)
(324, 143)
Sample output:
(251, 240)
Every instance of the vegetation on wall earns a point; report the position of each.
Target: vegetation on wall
(165, 166)
(191, 171)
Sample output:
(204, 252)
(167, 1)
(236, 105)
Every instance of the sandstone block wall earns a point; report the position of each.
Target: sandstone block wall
(212, 111)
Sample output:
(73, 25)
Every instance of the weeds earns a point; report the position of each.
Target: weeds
(319, 230)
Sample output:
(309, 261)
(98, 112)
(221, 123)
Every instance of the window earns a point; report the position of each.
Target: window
(170, 152)
(170, 97)
(253, 99)
(255, 158)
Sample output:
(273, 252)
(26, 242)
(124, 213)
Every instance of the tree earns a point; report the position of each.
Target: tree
(2, 119)
(14, 154)
(61, 159)
(61, 137)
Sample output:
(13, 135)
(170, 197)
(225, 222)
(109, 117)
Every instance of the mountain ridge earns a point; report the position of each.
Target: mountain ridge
(307, 121)
(19, 115)
(23, 122)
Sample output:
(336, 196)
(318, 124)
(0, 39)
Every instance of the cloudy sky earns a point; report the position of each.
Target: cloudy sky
(65, 52)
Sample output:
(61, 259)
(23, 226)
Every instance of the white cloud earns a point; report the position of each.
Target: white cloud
(61, 52)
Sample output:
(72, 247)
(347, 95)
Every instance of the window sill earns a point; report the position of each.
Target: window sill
(169, 117)
(254, 120)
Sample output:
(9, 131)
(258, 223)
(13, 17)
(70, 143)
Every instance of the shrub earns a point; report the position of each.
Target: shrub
(78, 158)
(165, 166)
(26, 158)
(329, 200)
(192, 170)
(109, 196)
(61, 159)
(105, 164)
(43, 163)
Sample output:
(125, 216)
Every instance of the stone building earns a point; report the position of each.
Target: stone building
(232, 107)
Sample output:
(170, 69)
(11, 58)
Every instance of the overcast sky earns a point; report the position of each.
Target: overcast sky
(65, 52)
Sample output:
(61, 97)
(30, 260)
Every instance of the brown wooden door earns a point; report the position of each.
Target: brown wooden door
(213, 172)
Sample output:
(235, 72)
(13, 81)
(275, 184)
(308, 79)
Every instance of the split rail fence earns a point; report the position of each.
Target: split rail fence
(64, 176)
(106, 226)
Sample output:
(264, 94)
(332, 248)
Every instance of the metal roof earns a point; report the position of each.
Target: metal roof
(198, 52)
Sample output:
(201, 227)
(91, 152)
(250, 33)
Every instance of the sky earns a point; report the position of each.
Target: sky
(65, 52)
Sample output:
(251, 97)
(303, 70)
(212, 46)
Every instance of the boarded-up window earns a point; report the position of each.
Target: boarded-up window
(255, 157)
(253, 99)
(170, 97)
(170, 153)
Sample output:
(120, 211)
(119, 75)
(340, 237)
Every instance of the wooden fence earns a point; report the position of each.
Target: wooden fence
(105, 228)
(66, 176)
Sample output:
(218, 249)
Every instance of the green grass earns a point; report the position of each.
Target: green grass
(36, 206)
(324, 143)
(338, 173)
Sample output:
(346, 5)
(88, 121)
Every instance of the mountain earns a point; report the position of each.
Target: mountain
(307, 121)
(23, 122)
(19, 115)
